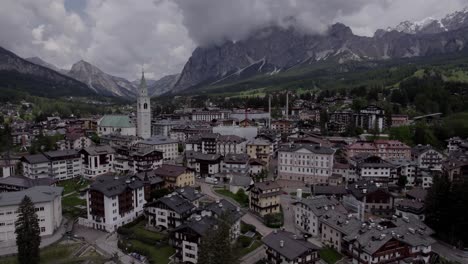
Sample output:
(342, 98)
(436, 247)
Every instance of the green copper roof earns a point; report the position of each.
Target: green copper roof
(116, 121)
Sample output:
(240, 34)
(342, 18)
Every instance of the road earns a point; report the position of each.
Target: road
(450, 253)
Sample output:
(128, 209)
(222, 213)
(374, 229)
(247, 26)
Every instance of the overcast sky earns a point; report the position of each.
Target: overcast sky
(119, 36)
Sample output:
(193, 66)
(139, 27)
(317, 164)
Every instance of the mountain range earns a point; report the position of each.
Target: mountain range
(266, 53)
(273, 50)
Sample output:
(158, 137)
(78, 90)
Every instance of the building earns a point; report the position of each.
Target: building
(35, 166)
(143, 110)
(186, 238)
(116, 124)
(385, 149)
(168, 146)
(400, 120)
(225, 210)
(190, 194)
(264, 198)
(183, 132)
(235, 163)
(286, 247)
(427, 157)
(230, 144)
(307, 212)
(48, 205)
(64, 164)
(164, 127)
(175, 176)
(410, 208)
(113, 201)
(260, 149)
(282, 126)
(214, 143)
(205, 165)
(169, 211)
(209, 115)
(306, 163)
(370, 118)
(374, 168)
(8, 167)
(19, 183)
(97, 160)
(137, 159)
(369, 199)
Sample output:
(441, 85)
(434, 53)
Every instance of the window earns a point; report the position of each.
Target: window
(42, 229)
(145, 106)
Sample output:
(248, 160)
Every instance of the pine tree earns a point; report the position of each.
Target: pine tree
(216, 246)
(27, 233)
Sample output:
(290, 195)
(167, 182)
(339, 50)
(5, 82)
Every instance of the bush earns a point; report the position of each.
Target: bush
(274, 220)
(247, 227)
(244, 241)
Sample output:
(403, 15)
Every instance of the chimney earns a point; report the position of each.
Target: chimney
(295, 237)
(116, 177)
(281, 243)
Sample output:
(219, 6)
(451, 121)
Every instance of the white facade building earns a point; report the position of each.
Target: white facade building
(143, 110)
(47, 201)
(169, 147)
(97, 160)
(113, 201)
(306, 163)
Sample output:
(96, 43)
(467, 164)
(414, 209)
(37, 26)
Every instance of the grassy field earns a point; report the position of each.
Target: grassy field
(141, 232)
(244, 251)
(159, 255)
(58, 254)
(330, 255)
(227, 193)
(72, 185)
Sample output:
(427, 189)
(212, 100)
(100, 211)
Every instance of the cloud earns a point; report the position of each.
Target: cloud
(120, 36)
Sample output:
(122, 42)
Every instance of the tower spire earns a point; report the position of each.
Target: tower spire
(143, 88)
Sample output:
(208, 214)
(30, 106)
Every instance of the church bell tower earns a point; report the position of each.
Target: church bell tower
(143, 110)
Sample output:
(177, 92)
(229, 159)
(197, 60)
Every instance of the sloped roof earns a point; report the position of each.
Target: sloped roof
(38, 194)
(292, 247)
(121, 121)
(111, 185)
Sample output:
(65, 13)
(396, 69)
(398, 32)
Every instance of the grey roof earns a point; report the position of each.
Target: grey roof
(111, 185)
(38, 194)
(420, 149)
(202, 156)
(312, 148)
(189, 193)
(35, 159)
(230, 139)
(157, 140)
(319, 205)
(329, 190)
(99, 150)
(224, 207)
(412, 206)
(292, 247)
(176, 203)
(169, 170)
(267, 185)
(240, 180)
(242, 158)
(198, 226)
(25, 182)
(357, 189)
(61, 153)
(150, 176)
(417, 193)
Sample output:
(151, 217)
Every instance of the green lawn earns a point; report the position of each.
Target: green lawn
(59, 254)
(330, 255)
(69, 204)
(72, 185)
(227, 193)
(244, 251)
(157, 255)
(140, 232)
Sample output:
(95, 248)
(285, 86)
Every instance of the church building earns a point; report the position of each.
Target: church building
(143, 110)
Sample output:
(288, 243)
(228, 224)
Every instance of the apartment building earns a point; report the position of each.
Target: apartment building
(175, 176)
(307, 212)
(370, 118)
(136, 159)
(385, 149)
(235, 163)
(113, 201)
(369, 199)
(48, 205)
(97, 160)
(168, 146)
(399, 240)
(169, 211)
(427, 157)
(209, 115)
(260, 149)
(214, 143)
(35, 166)
(64, 164)
(306, 163)
(205, 165)
(264, 198)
